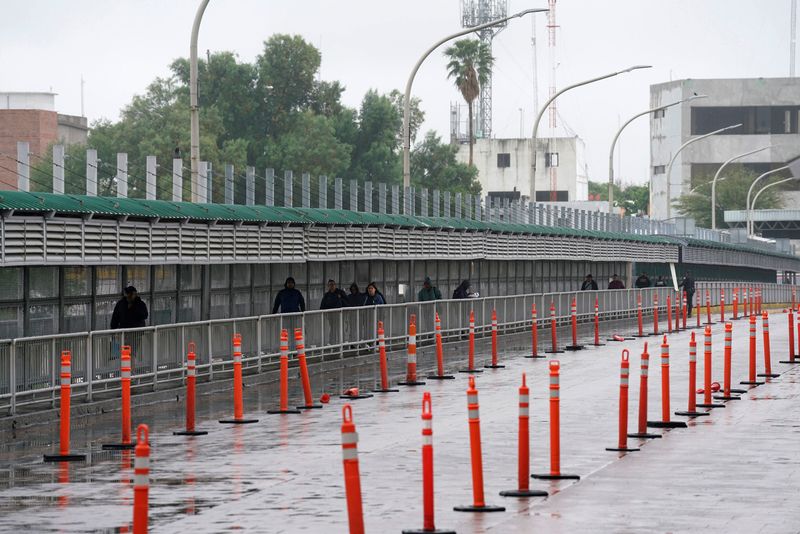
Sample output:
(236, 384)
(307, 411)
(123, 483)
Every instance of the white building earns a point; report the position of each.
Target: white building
(767, 108)
(505, 165)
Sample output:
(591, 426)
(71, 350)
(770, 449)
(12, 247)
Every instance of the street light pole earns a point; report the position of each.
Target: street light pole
(789, 179)
(714, 184)
(194, 109)
(684, 145)
(547, 104)
(616, 137)
(747, 205)
(410, 82)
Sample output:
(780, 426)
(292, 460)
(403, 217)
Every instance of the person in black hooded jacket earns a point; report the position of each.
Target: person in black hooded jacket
(289, 299)
(333, 298)
(462, 291)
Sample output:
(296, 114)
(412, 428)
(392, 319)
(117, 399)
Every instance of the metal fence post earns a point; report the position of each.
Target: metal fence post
(381, 197)
(436, 202)
(305, 192)
(89, 366)
(337, 193)
(154, 344)
(353, 195)
(288, 189)
(368, 197)
(13, 377)
(323, 192)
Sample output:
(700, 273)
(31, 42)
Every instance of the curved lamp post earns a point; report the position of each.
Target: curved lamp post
(714, 184)
(748, 205)
(194, 110)
(547, 104)
(616, 137)
(407, 98)
(674, 156)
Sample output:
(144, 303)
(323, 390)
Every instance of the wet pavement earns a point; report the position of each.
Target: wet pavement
(736, 470)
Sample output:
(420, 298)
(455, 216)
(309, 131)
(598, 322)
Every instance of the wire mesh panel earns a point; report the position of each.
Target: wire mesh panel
(5, 371)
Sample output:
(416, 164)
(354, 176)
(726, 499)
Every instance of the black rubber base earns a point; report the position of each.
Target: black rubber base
(548, 476)
(538, 356)
(691, 414)
(789, 361)
(356, 397)
(574, 347)
(490, 366)
(643, 335)
(484, 508)
(624, 338)
(386, 390)
(310, 407)
(712, 405)
(190, 433)
(597, 344)
(626, 449)
(470, 371)
(118, 446)
(423, 531)
(748, 383)
(414, 383)
(739, 391)
(64, 457)
(728, 398)
(523, 493)
(644, 435)
(666, 424)
(554, 352)
(440, 377)
(238, 421)
(768, 375)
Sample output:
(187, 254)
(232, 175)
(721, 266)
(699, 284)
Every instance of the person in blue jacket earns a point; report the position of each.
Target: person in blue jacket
(289, 299)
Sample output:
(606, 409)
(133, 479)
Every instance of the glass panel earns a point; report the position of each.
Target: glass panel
(43, 282)
(261, 275)
(262, 304)
(241, 275)
(10, 321)
(191, 277)
(164, 277)
(139, 277)
(11, 283)
(163, 310)
(77, 281)
(76, 317)
(241, 304)
(103, 309)
(107, 282)
(220, 277)
(190, 308)
(220, 305)
(43, 320)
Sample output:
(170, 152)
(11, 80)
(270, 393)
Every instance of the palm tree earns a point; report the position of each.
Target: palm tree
(470, 62)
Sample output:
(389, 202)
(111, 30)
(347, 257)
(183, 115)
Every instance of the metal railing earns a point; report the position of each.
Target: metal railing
(29, 367)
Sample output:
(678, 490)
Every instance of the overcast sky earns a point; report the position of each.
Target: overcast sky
(120, 46)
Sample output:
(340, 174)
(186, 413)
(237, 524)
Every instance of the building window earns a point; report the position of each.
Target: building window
(754, 120)
(551, 159)
(547, 196)
(659, 113)
(659, 169)
(503, 160)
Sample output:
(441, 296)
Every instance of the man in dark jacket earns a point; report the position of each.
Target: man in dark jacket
(130, 311)
(429, 291)
(355, 298)
(688, 286)
(462, 291)
(615, 283)
(643, 281)
(333, 298)
(289, 299)
(589, 284)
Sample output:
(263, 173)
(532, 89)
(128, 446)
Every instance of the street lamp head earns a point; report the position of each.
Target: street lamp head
(527, 11)
(731, 127)
(636, 67)
(694, 97)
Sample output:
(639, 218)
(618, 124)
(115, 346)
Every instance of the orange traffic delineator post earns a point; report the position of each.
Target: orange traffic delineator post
(125, 385)
(708, 308)
(677, 311)
(352, 478)
(751, 379)
(722, 305)
(439, 354)
(553, 333)
(624, 376)
(669, 314)
(597, 324)
(691, 410)
(523, 449)
(64, 415)
(684, 311)
(535, 334)
(643, 375)
(494, 364)
(726, 390)
(411, 364)
(141, 480)
(752, 297)
(735, 304)
(798, 329)
(284, 377)
(639, 320)
(305, 379)
(471, 347)
(665, 412)
(573, 318)
(767, 351)
(791, 336)
(238, 393)
(759, 300)
(697, 311)
(384, 364)
(707, 402)
(473, 412)
(191, 379)
(655, 314)
(428, 522)
(555, 428)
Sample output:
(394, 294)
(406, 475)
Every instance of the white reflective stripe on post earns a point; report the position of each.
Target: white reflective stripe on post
(427, 440)
(412, 357)
(65, 381)
(693, 356)
(349, 437)
(141, 462)
(553, 393)
(125, 374)
(427, 424)
(65, 369)
(523, 398)
(645, 371)
(554, 380)
(665, 360)
(141, 480)
(472, 398)
(623, 381)
(524, 411)
(237, 358)
(191, 372)
(473, 413)
(350, 454)
(412, 340)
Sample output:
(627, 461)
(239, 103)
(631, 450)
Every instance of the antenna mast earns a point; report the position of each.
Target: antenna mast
(793, 39)
(553, 164)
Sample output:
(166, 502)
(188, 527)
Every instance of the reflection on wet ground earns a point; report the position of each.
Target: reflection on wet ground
(735, 470)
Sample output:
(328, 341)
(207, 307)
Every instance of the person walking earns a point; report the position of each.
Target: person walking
(660, 282)
(356, 297)
(588, 283)
(333, 297)
(130, 311)
(463, 290)
(643, 281)
(429, 291)
(688, 286)
(373, 297)
(615, 283)
(289, 299)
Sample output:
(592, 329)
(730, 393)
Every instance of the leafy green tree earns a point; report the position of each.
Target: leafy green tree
(376, 154)
(416, 118)
(731, 194)
(469, 64)
(434, 165)
(634, 199)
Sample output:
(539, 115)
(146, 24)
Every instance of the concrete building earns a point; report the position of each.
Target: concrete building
(505, 165)
(767, 108)
(32, 118)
